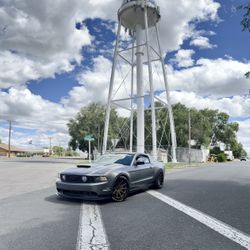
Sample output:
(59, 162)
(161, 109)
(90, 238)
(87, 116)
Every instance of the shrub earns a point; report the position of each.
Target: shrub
(215, 150)
(221, 157)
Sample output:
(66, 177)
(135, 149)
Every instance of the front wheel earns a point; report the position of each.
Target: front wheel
(120, 189)
(159, 181)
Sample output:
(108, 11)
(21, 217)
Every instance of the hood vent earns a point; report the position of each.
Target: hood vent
(84, 166)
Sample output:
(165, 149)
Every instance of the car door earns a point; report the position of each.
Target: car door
(141, 172)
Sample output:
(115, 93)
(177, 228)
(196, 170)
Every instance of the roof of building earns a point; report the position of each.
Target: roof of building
(12, 148)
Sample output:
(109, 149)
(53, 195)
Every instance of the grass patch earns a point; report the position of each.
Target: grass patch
(179, 165)
(171, 165)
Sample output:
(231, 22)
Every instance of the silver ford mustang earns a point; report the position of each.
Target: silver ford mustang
(111, 175)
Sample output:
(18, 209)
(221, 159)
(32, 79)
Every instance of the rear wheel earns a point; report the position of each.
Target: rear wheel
(159, 181)
(120, 189)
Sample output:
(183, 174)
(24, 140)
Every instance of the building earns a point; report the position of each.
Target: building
(14, 151)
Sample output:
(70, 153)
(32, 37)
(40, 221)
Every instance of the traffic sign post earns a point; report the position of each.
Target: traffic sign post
(89, 151)
(89, 138)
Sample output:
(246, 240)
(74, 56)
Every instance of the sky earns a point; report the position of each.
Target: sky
(56, 57)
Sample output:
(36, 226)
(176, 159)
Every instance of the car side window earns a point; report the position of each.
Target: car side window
(147, 161)
(143, 158)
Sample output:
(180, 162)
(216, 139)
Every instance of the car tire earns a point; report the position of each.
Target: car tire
(120, 189)
(159, 181)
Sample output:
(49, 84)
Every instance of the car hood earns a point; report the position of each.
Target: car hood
(93, 169)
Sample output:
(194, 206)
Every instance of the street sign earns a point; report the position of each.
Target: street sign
(89, 138)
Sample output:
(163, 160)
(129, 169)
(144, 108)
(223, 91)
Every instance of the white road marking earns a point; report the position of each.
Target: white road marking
(218, 226)
(91, 232)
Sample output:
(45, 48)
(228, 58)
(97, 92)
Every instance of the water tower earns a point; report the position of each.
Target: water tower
(138, 17)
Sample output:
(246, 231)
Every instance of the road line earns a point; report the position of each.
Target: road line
(218, 226)
(91, 232)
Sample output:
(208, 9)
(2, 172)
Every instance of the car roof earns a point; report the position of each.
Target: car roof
(127, 153)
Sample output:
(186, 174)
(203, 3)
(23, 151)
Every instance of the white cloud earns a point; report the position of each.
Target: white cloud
(39, 38)
(39, 139)
(35, 118)
(219, 77)
(4, 134)
(16, 69)
(202, 42)
(41, 35)
(179, 17)
(183, 58)
(235, 106)
(32, 111)
(93, 85)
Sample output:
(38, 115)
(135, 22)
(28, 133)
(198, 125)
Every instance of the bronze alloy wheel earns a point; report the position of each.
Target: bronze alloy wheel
(120, 190)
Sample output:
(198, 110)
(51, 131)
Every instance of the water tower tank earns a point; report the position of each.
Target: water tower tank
(131, 13)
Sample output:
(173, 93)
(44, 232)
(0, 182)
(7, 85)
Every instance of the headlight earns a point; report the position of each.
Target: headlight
(101, 179)
(63, 177)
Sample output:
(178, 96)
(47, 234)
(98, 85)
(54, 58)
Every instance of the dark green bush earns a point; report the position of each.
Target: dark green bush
(215, 150)
(221, 157)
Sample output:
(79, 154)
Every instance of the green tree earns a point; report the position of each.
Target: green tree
(90, 120)
(70, 152)
(223, 131)
(58, 151)
(201, 125)
(208, 127)
(245, 23)
(238, 149)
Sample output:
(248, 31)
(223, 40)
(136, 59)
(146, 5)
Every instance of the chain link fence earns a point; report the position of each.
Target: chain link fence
(182, 154)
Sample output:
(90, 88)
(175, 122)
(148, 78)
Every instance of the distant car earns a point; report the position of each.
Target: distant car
(243, 158)
(111, 176)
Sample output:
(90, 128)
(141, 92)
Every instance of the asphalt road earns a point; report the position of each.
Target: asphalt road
(32, 217)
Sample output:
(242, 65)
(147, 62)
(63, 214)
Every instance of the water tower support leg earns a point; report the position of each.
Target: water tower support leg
(111, 86)
(171, 117)
(153, 119)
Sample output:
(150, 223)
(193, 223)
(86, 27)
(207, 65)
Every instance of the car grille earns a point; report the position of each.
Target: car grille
(76, 179)
(77, 193)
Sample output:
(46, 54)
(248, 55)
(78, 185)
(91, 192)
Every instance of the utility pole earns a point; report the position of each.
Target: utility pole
(189, 137)
(50, 149)
(9, 138)
(98, 138)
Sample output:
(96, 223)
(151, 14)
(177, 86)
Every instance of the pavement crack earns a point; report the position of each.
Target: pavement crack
(93, 235)
(91, 243)
(91, 232)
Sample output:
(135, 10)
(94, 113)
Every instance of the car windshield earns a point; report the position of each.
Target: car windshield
(124, 159)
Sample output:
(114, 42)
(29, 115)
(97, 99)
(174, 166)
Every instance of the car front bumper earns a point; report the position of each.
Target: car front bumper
(84, 191)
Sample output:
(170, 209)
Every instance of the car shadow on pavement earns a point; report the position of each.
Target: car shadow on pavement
(60, 200)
